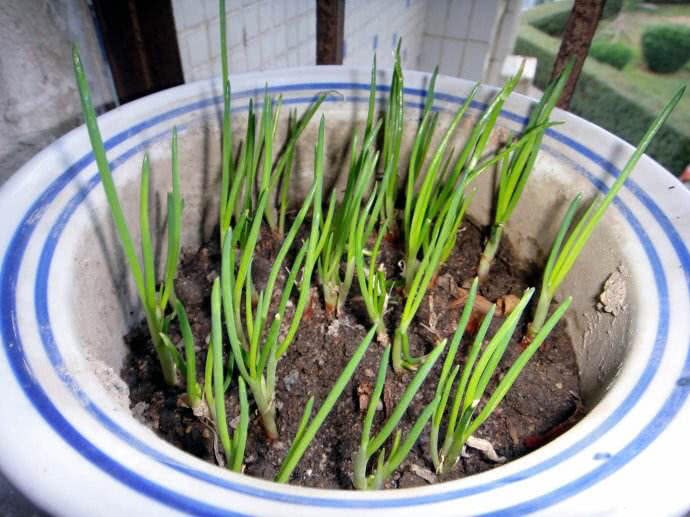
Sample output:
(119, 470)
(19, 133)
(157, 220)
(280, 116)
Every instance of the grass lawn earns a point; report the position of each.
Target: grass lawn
(627, 28)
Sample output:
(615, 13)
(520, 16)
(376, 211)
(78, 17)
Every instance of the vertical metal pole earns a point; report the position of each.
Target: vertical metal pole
(330, 31)
(577, 38)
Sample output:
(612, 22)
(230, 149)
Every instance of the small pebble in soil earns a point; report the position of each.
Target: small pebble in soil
(291, 380)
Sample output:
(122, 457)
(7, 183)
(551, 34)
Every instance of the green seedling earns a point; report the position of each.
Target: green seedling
(154, 300)
(257, 169)
(392, 139)
(308, 428)
(370, 446)
(443, 235)
(194, 391)
(233, 447)
(339, 242)
(564, 251)
(434, 209)
(371, 276)
(516, 168)
(254, 335)
(259, 166)
(464, 416)
(431, 190)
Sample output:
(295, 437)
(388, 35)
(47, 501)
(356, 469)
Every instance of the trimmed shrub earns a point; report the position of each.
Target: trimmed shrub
(612, 8)
(666, 48)
(551, 18)
(553, 24)
(599, 98)
(615, 54)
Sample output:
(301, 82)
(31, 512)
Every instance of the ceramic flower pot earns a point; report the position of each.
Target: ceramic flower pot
(69, 441)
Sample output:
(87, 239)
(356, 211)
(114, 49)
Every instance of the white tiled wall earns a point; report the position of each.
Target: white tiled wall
(375, 26)
(503, 40)
(466, 38)
(469, 38)
(262, 34)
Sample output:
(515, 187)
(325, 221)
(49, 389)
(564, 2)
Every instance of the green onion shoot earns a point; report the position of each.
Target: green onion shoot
(155, 300)
(371, 446)
(565, 250)
(309, 426)
(516, 167)
(465, 415)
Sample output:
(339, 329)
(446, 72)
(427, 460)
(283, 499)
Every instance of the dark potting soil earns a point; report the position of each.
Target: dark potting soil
(543, 403)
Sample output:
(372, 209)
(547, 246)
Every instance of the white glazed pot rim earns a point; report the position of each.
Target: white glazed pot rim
(550, 457)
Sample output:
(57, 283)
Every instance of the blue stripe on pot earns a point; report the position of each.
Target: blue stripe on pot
(40, 400)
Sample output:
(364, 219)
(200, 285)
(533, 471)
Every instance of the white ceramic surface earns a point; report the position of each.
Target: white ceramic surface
(74, 450)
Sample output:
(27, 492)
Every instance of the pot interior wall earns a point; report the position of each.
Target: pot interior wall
(103, 316)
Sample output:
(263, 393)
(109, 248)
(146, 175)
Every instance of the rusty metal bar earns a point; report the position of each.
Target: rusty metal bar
(577, 38)
(330, 31)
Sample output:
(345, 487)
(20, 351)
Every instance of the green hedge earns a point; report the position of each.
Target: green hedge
(612, 8)
(553, 24)
(597, 99)
(612, 53)
(552, 17)
(549, 18)
(666, 48)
